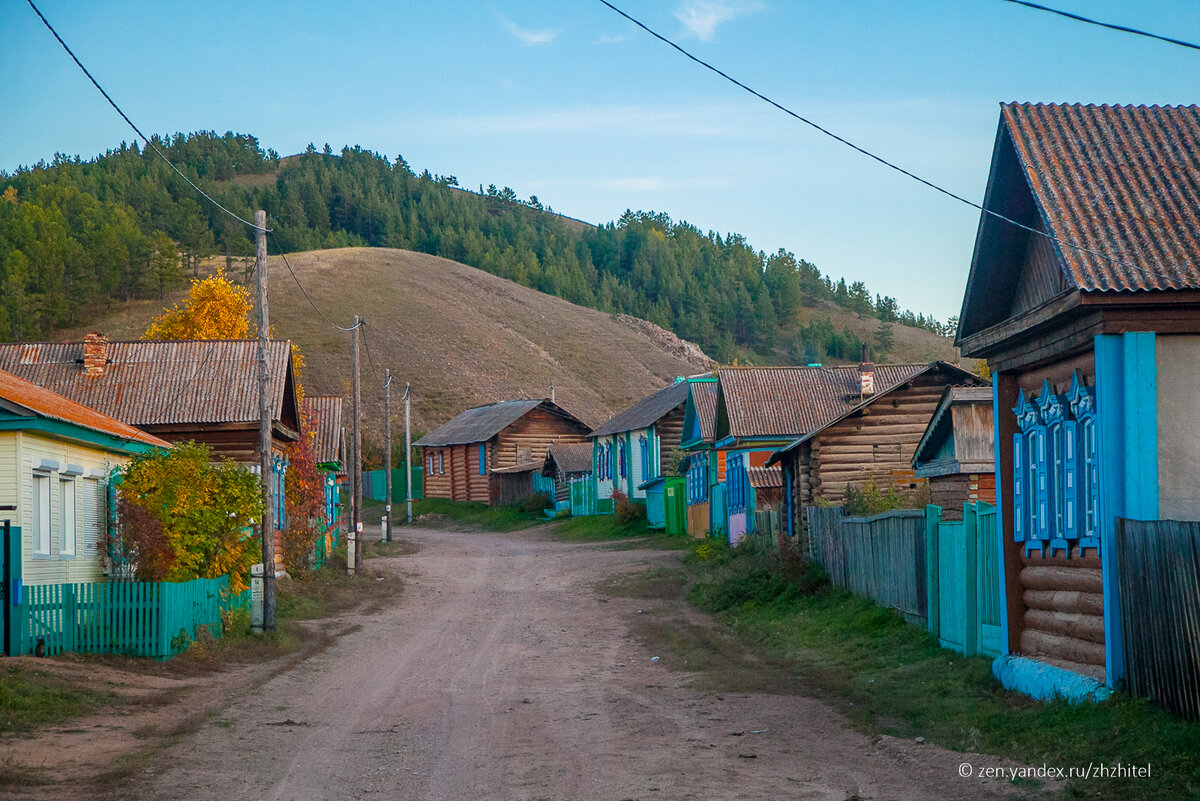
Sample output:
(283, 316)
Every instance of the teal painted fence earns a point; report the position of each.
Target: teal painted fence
(154, 619)
(963, 580)
(375, 484)
(583, 496)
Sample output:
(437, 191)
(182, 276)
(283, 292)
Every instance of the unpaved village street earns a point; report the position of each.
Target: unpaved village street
(502, 673)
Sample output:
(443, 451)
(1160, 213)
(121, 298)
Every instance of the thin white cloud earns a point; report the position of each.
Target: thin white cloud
(701, 18)
(524, 35)
(606, 39)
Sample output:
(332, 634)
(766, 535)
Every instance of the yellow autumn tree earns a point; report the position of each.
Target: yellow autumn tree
(215, 309)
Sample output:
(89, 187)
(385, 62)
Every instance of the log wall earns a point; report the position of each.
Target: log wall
(528, 438)
(952, 491)
(459, 479)
(670, 431)
(1063, 620)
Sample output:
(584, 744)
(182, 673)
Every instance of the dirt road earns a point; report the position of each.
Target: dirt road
(502, 673)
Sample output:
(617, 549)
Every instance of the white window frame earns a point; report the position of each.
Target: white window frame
(42, 517)
(68, 521)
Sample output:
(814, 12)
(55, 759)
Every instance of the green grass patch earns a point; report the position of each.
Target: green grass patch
(31, 697)
(606, 528)
(657, 583)
(891, 677)
(437, 512)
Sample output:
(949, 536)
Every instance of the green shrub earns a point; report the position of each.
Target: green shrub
(535, 503)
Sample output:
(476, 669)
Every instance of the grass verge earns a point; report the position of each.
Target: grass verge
(606, 528)
(890, 677)
(439, 512)
(31, 697)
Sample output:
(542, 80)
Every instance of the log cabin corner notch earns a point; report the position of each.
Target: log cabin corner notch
(490, 453)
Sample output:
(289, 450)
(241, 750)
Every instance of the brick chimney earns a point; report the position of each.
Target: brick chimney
(866, 374)
(95, 354)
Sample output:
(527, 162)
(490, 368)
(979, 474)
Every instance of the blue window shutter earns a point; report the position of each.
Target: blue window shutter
(1020, 488)
(483, 458)
(1070, 489)
(1041, 493)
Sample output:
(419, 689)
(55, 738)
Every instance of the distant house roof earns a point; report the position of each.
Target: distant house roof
(647, 411)
(324, 415)
(883, 389)
(1121, 182)
(571, 457)
(765, 477)
(789, 401)
(26, 399)
(704, 398)
(484, 422)
(156, 383)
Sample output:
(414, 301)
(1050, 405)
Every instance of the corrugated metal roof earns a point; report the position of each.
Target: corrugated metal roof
(1123, 181)
(44, 403)
(484, 422)
(573, 457)
(158, 383)
(790, 401)
(324, 415)
(704, 399)
(765, 477)
(647, 411)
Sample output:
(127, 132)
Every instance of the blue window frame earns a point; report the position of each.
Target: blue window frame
(1054, 409)
(483, 458)
(644, 446)
(1030, 474)
(621, 464)
(1086, 468)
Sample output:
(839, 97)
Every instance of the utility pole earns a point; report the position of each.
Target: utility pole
(387, 453)
(355, 564)
(264, 427)
(408, 476)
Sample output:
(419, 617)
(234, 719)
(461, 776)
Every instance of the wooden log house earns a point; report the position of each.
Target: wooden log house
(871, 438)
(490, 453)
(955, 454)
(1091, 327)
(323, 417)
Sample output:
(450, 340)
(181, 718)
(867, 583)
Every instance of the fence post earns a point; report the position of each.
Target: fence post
(971, 579)
(933, 598)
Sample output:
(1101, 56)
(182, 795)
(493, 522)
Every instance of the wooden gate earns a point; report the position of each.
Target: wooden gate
(963, 579)
(583, 496)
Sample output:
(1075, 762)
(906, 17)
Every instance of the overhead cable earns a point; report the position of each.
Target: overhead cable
(136, 130)
(1109, 25)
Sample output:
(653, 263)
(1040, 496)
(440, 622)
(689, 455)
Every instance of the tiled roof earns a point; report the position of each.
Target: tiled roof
(647, 411)
(572, 457)
(484, 422)
(1123, 181)
(791, 401)
(704, 397)
(765, 477)
(324, 414)
(44, 403)
(158, 383)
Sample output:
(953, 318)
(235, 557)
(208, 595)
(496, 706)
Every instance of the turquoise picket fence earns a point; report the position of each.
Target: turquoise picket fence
(375, 484)
(963, 579)
(153, 619)
(583, 496)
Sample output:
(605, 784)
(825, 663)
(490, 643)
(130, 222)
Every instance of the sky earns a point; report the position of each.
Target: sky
(565, 100)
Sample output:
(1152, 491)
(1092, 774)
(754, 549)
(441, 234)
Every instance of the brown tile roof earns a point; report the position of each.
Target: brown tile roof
(158, 383)
(324, 414)
(24, 397)
(1119, 180)
(572, 457)
(704, 398)
(791, 401)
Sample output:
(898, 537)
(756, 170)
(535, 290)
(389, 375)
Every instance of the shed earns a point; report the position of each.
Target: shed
(1089, 317)
(567, 463)
(490, 453)
(955, 454)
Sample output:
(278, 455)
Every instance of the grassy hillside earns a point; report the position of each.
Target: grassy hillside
(463, 337)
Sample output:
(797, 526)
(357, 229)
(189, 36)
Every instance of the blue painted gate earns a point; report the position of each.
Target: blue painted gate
(963, 580)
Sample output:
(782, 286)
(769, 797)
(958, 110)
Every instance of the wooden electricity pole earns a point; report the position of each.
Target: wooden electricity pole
(356, 474)
(387, 454)
(408, 475)
(264, 427)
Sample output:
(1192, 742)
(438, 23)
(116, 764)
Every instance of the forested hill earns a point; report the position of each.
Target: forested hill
(77, 235)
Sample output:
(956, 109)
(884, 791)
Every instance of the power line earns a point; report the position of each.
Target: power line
(310, 300)
(370, 361)
(125, 117)
(1109, 25)
(890, 165)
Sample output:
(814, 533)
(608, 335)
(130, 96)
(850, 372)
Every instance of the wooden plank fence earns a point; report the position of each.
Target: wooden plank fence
(1158, 578)
(881, 557)
(120, 617)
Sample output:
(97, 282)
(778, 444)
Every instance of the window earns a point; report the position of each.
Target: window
(483, 459)
(41, 514)
(644, 447)
(441, 463)
(621, 457)
(67, 532)
(95, 515)
(1086, 465)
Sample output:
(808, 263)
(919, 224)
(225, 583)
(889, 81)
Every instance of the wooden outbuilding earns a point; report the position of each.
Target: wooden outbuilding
(567, 464)
(871, 439)
(1089, 317)
(955, 455)
(490, 453)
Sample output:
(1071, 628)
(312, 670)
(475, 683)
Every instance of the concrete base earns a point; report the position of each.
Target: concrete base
(1047, 682)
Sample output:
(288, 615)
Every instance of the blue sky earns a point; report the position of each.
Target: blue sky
(565, 100)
